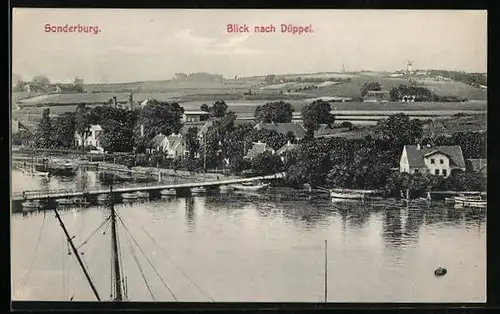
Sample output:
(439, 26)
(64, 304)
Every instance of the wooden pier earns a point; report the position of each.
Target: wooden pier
(58, 194)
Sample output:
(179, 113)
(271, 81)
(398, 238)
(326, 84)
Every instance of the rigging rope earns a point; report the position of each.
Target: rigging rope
(93, 233)
(178, 268)
(34, 254)
(151, 264)
(140, 269)
(121, 263)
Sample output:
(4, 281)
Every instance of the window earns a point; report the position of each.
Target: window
(432, 160)
(444, 172)
(416, 170)
(441, 161)
(436, 172)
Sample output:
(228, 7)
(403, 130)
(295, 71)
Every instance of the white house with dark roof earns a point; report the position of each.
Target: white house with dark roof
(173, 146)
(284, 128)
(90, 138)
(436, 160)
(257, 149)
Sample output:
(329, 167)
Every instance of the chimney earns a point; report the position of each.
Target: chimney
(418, 146)
(114, 101)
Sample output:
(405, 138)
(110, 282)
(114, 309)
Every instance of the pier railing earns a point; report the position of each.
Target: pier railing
(61, 193)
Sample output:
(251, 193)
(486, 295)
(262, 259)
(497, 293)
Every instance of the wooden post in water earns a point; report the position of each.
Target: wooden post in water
(326, 271)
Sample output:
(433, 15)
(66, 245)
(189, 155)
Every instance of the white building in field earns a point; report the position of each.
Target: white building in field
(437, 160)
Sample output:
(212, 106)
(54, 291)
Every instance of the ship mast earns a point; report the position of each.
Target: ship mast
(77, 255)
(115, 255)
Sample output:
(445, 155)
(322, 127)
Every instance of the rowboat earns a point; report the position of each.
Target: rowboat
(168, 192)
(140, 194)
(353, 194)
(65, 201)
(129, 196)
(198, 190)
(29, 206)
(470, 201)
(250, 186)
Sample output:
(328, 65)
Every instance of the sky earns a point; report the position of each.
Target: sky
(137, 45)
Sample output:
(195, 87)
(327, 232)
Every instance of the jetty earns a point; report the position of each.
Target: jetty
(32, 195)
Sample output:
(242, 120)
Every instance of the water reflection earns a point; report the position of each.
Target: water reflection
(392, 230)
(190, 214)
(244, 247)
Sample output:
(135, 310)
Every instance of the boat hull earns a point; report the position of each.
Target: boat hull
(251, 188)
(129, 196)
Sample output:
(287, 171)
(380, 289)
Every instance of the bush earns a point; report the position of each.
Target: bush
(346, 124)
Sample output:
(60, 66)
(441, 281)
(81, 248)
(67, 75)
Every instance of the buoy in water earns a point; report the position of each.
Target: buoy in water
(440, 271)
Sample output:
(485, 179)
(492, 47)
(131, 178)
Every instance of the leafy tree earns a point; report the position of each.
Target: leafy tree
(239, 165)
(41, 80)
(205, 107)
(370, 86)
(159, 117)
(64, 129)
(465, 181)
(219, 109)
(117, 137)
(45, 131)
(315, 114)
(267, 163)
(396, 131)
(83, 120)
(236, 143)
(270, 137)
(277, 112)
(192, 142)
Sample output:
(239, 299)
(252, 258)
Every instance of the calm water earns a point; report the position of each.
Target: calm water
(238, 247)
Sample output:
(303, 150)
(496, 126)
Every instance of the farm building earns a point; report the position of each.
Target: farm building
(195, 116)
(437, 160)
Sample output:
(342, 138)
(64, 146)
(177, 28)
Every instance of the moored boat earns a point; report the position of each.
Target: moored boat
(65, 201)
(198, 190)
(169, 192)
(31, 206)
(354, 194)
(129, 196)
(470, 201)
(250, 186)
(140, 194)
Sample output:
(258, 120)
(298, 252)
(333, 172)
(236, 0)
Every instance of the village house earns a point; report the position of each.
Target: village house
(284, 128)
(377, 96)
(477, 165)
(195, 116)
(284, 151)
(436, 160)
(91, 137)
(257, 149)
(173, 146)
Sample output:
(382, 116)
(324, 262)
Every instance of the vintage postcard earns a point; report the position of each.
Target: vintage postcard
(249, 155)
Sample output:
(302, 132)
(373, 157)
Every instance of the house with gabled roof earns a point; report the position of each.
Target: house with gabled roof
(284, 128)
(436, 160)
(285, 150)
(174, 145)
(257, 149)
(90, 138)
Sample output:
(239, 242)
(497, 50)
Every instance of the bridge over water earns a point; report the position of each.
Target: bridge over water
(58, 194)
